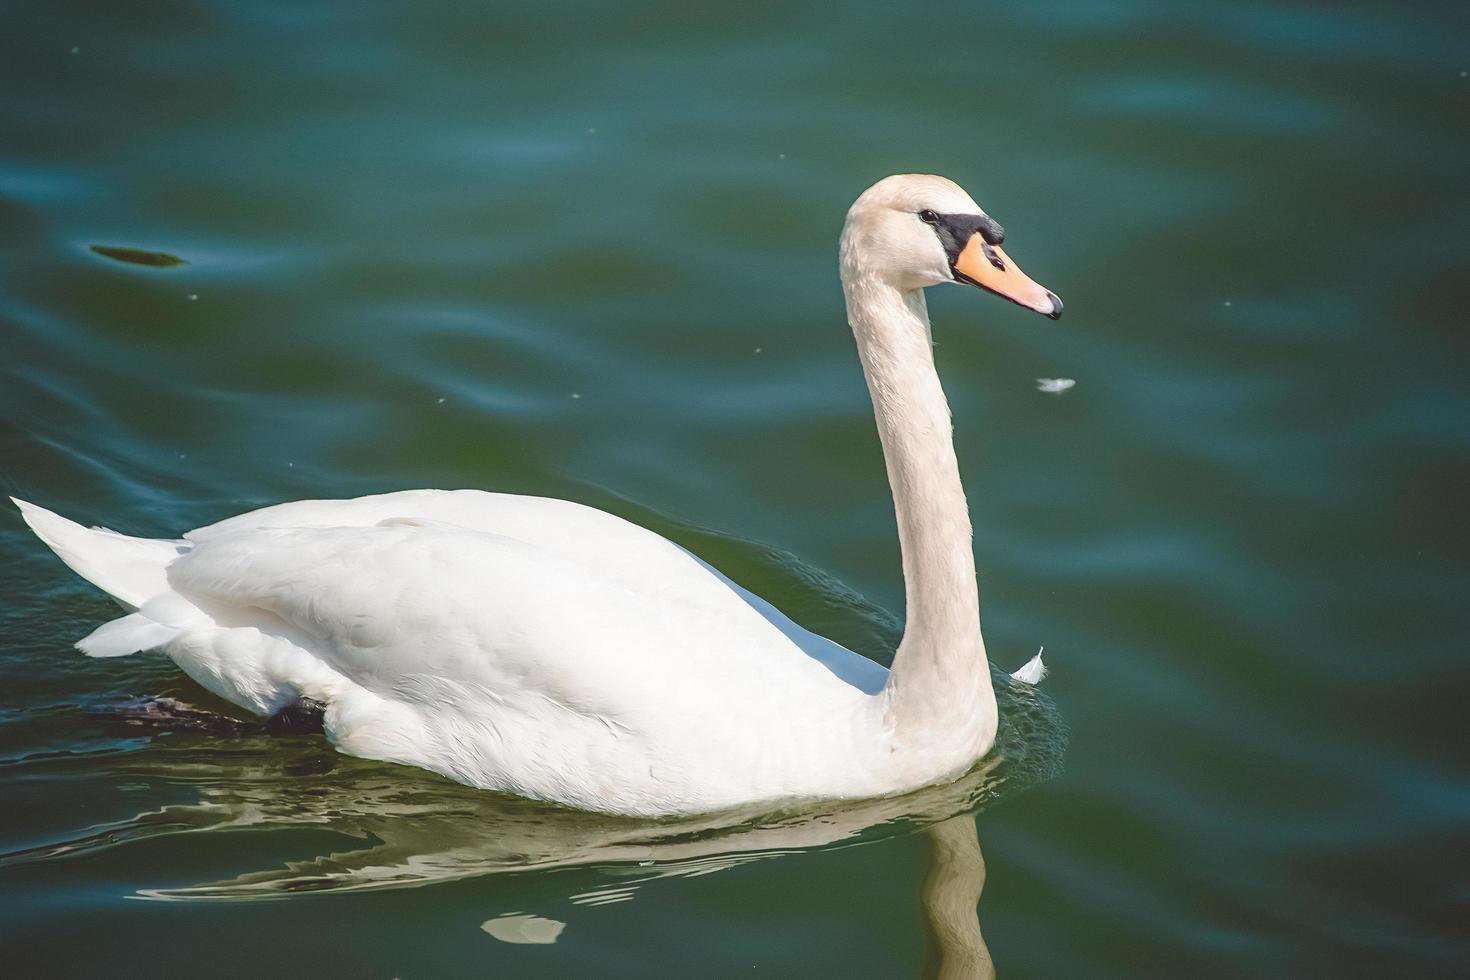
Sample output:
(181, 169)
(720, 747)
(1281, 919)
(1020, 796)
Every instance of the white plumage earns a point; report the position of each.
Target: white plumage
(551, 650)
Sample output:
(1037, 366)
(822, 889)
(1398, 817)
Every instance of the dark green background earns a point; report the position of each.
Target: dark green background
(589, 251)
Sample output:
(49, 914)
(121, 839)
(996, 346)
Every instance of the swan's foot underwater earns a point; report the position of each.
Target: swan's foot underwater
(301, 717)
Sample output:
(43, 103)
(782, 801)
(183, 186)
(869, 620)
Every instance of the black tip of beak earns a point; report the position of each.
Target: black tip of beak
(1056, 305)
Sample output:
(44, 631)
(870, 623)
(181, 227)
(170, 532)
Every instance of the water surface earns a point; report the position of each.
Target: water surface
(589, 251)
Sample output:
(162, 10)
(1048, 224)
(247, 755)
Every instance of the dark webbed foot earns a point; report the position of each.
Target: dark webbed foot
(301, 717)
(170, 715)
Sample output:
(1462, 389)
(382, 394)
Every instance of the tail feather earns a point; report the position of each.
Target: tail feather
(131, 570)
(130, 634)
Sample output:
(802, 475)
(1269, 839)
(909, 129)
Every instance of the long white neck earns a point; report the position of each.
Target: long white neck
(939, 687)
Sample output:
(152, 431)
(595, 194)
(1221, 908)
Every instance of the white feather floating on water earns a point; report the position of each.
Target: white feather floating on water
(1033, 672)
(1054, 386)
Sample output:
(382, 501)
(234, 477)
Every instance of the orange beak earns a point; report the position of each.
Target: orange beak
(989, 268)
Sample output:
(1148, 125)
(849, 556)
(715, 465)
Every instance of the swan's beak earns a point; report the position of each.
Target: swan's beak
(990, 268)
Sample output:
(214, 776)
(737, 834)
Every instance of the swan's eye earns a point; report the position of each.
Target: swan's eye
(928, 216)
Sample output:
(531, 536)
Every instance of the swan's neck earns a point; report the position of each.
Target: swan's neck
(940, 683)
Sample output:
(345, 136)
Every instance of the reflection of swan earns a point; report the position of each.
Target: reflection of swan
(950, 894)
(422, 830)
(418, 830)
(554, 651)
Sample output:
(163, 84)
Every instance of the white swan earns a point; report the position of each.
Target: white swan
(547, 649)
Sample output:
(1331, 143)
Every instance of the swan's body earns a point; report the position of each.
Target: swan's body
(554, 651)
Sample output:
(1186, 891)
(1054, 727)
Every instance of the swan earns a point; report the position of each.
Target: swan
(547, 649)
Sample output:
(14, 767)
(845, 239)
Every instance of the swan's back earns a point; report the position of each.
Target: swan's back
(593, 539)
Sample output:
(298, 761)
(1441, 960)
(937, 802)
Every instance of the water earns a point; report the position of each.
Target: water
(590, 252)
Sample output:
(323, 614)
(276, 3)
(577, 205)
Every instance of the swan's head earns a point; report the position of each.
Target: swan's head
(917, 230)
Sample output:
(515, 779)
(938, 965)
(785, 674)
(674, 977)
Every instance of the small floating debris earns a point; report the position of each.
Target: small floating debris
(1054, 386)
(193, 297)
(138, 256)
(524, 929)
(1034, 670)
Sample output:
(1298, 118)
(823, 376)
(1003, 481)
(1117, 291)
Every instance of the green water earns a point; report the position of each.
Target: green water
(589, 251)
